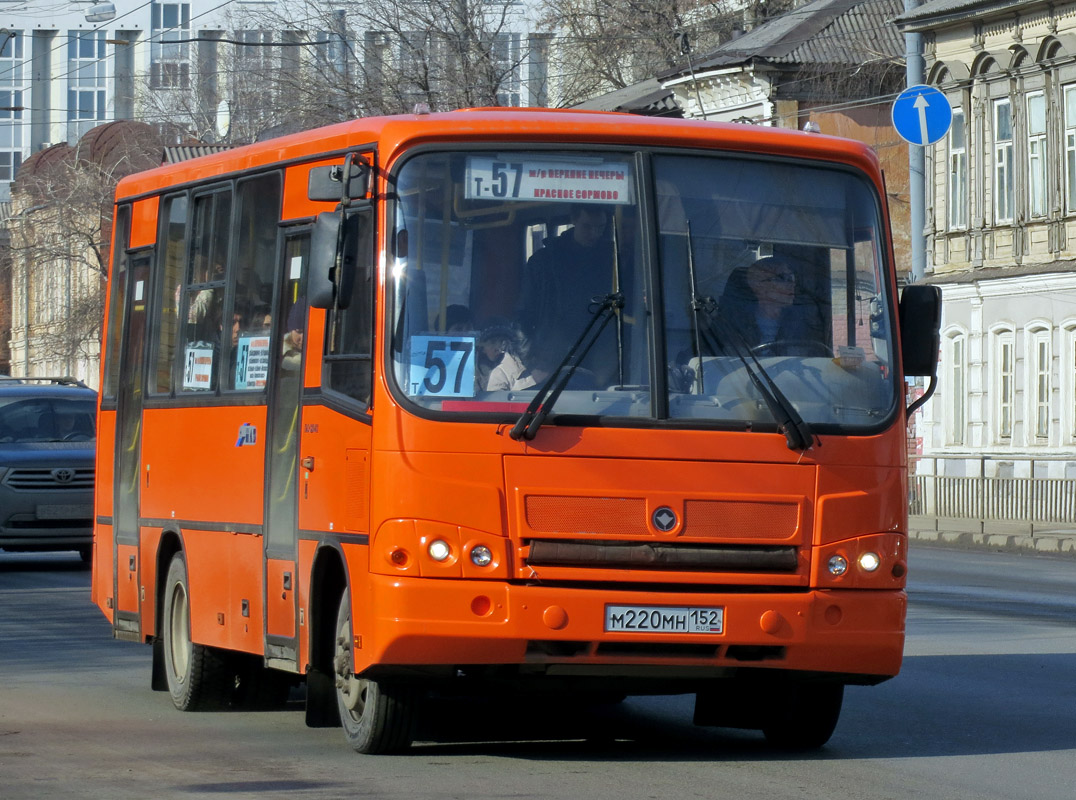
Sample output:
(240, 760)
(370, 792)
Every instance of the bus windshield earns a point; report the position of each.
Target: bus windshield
(734, 266)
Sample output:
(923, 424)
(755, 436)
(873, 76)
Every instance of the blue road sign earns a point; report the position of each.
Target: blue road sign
(922, 115)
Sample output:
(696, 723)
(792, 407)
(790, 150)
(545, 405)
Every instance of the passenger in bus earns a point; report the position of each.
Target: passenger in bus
(457, 319)
(562, 279)
(498, 365)
(764, 305)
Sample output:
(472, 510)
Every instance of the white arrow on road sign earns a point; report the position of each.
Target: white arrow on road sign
(922, 115)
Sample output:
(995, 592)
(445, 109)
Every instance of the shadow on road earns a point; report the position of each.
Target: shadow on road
(938, 706)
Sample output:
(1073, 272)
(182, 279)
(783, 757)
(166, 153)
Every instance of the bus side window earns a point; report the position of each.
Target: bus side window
(349, 343)
(204, 292)
(254, 276)
(171, 257)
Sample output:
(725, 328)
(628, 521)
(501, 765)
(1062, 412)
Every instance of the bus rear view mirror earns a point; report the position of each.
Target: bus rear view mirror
(324, 253)
(920, 327)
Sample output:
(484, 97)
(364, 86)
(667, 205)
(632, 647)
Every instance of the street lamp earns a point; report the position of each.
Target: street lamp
(101, 12)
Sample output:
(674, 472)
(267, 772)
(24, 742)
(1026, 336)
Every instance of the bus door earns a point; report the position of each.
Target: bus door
(282, 454)
(128, 455)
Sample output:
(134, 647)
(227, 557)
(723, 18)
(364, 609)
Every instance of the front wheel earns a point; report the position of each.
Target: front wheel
(377, 716)
(806, 718)
(198, 676)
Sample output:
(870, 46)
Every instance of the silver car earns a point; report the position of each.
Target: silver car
(47, 441)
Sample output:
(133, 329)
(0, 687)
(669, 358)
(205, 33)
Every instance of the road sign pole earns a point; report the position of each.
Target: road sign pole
(915, 75)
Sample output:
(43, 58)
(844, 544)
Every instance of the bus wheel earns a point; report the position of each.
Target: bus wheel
(198, 676)
(378, 717)
(806, 718)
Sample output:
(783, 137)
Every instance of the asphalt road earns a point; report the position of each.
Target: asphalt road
(984, 708)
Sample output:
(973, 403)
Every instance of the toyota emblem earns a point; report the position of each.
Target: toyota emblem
(664, 519)
(63, 475)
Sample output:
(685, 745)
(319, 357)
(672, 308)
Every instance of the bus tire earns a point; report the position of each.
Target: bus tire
(378, 717)
(198, 677)
(806, 717)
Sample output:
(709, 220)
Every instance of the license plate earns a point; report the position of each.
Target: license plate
(664, 619)
(65, 511)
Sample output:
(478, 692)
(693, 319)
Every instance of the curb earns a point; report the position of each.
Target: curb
(1045, 544)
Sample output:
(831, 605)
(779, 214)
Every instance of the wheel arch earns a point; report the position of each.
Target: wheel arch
(328, 582)
(171, 542)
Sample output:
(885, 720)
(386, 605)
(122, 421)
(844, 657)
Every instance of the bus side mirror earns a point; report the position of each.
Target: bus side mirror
(324, 253)
(920, 330)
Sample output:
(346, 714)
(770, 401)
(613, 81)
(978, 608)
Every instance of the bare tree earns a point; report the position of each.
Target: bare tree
(302, 63)
(604, 45)
(60, 235)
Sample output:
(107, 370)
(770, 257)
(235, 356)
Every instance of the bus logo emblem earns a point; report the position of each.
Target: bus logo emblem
(664, 519)
(248, 434)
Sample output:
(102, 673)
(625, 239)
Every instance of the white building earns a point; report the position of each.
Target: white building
(64, 71)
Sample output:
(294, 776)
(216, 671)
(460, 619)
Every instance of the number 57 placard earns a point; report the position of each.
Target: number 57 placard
(442, 366)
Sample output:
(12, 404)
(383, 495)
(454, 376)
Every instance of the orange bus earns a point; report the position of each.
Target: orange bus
(574, 403)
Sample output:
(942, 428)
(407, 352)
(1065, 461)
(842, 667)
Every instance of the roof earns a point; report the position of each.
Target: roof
(173, 155)
(936, 11)
(820, 32)
(648, 98)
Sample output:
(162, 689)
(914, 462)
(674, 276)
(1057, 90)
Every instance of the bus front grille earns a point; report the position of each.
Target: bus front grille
(659, 556)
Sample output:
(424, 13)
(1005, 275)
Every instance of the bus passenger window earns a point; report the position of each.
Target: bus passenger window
(173, 238)
(254, 276)
(204, 293)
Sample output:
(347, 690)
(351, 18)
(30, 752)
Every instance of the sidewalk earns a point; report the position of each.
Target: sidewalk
(998, 537)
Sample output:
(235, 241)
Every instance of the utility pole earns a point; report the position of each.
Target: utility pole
(915, 74)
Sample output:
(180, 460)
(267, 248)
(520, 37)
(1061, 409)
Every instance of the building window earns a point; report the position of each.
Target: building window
(1036, 153)
(256, 52)
(1004, 386)
(85, 81)
(1070, 148)
(506, 62)
(169, 56)
(1039, 357)
(1003, 187)
(12, 88)
(1070, 380)
(958, 173)
(957, 389)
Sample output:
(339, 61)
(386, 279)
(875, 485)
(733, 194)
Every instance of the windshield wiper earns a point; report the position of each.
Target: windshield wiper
(789, 422)
(531, 420)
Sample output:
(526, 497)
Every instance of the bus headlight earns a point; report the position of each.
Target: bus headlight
(481, 556)
(869, 562)
(837, 566)
(439, 550)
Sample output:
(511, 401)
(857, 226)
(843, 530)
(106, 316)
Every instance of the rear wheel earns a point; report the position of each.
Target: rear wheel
(377, 716)
(198, 676)
(806, 718)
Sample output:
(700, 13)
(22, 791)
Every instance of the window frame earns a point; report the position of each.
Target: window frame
(956, 370)
(1038, 347)
(1003, 383)
(957, 173)
(1002, 176)
(1037, 204)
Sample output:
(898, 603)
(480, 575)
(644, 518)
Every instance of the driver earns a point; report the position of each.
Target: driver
(765, 305)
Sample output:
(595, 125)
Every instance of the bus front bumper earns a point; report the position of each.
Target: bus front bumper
(417, 621)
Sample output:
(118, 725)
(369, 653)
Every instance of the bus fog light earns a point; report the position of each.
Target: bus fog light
(481, 556)
(439, 550)
(869, 562)
(838, 565)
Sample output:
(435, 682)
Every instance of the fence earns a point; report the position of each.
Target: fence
(1028, 492)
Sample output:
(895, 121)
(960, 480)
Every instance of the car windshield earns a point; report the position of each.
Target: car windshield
(42, 419)
(502, 259)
